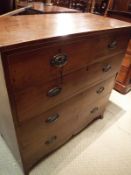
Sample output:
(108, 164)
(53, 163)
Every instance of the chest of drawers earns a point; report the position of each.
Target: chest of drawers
(55, 81)
(123, 79)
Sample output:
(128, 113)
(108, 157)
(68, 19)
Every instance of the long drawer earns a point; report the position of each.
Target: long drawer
(59, 113)
(35, 100)
(39, 138)
(48, 63)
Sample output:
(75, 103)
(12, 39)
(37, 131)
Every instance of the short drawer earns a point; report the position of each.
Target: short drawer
(48, 63)
(37, 99)
(38, 140)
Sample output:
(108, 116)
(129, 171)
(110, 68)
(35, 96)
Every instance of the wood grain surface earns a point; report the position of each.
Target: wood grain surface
(49, 9)
(22, 30)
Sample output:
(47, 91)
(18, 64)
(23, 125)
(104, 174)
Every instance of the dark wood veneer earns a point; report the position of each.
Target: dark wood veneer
(120, 10)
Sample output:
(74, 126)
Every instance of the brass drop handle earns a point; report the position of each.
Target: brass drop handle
(112, 45)
(51, 140)
(106, 68)
(95, 109)
(59, 60)
(100, 90)
(52, 118)
(54, 91)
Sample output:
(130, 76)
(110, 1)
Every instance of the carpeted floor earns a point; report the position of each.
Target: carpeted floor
(103, 148)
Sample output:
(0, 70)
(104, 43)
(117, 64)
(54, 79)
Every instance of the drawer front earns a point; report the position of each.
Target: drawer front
(38, 99)
(76, 116)
(58, 114)
(48, 63)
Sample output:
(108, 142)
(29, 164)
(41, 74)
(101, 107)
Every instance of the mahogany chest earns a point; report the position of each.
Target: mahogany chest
(55, 78)
(122, 10)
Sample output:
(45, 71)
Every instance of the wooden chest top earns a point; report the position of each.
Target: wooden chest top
(36, 29)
